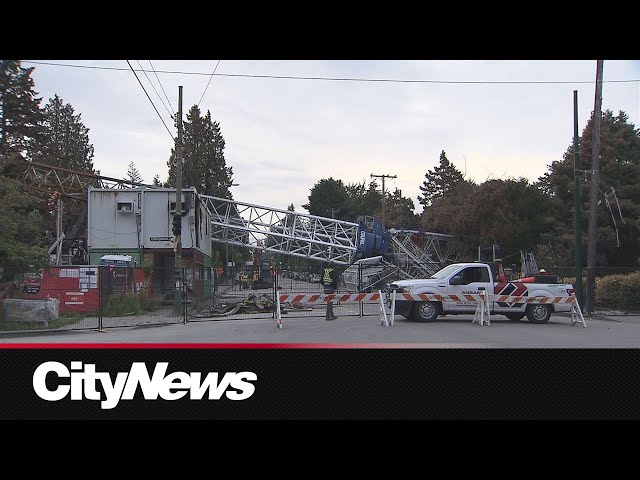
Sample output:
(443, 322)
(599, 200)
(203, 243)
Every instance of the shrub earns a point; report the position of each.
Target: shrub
(129, 304)
(618, 291)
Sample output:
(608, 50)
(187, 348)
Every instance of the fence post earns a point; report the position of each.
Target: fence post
(361, 305)
(184, 296)
(100, 287)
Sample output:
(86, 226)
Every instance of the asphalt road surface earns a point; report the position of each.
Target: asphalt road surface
(365, 332)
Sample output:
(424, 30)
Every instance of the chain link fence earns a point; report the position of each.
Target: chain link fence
(101, 296)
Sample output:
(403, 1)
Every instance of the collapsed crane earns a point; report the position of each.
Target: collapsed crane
(410, 253)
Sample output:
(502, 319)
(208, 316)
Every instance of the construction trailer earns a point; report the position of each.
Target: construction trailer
(138, 222)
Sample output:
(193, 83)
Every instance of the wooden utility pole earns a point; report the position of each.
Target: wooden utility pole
(178, 246)
(383, 177)
(577, 201)
(593, 196)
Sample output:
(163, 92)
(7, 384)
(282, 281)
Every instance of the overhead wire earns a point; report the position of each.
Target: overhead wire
(205, 89)
(154, 106)
(355, 79)
(154, 88)
(165, 93)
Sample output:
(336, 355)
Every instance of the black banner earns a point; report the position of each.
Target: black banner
(282, 383)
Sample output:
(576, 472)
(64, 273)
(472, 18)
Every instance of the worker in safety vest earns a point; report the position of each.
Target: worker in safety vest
(330, 284)
(244, 281)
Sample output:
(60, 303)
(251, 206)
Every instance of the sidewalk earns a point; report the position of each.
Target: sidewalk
(617, 316)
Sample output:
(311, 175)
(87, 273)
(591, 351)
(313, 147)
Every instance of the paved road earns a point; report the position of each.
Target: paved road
(603, 331)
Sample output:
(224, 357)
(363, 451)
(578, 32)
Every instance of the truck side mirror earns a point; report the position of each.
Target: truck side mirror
(456, 280)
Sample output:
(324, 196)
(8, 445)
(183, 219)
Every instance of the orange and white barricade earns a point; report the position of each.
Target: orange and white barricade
(386, 319)
(323, 298)
(483, 314)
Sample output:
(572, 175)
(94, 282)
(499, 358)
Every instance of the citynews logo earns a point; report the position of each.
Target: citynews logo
(84, 379)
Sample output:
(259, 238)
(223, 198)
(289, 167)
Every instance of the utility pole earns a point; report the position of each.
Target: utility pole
(593, 196)
(577, 204)
(178, 214)
(59, 232)
(383, 177)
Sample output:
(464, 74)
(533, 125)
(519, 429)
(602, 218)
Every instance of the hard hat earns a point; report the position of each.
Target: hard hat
(542, 270)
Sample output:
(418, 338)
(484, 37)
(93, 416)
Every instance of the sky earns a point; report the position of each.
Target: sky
(284, 135)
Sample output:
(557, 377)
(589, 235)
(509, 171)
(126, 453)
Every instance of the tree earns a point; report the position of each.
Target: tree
(204, 166)
(618, 232)
(134, 176)
(326, 196)
(20, 114)
(513, 213)
(456, 214)
(22, 243)
(439, 181)
(364, 200)
(64, 138)
(399, 212)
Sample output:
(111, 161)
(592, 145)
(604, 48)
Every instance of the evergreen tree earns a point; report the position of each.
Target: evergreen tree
(133, 175)
(20, 114)
(204, 164)
(22, 242)
(65, 139)
(439, 181)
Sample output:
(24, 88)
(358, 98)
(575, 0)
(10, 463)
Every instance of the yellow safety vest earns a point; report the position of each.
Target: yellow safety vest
(326, 279)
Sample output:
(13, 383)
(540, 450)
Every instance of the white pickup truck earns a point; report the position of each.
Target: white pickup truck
(460, 279)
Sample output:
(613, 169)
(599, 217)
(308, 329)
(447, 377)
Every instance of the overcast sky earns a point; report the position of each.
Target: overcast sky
(284, 135)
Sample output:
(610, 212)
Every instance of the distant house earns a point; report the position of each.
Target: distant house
(138, 222)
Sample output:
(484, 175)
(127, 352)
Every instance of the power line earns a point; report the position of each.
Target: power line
(154, 107)
(205, 89)
(346, 79)
(165, 93)
(154, 89)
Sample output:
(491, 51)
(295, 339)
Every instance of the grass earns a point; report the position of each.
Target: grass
(129, 304)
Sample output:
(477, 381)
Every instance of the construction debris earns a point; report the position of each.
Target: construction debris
(262, 303)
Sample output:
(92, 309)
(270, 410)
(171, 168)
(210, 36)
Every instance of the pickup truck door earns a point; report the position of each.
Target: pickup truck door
(467, 281)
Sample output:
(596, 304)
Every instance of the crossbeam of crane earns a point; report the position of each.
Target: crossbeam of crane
(282, 231)
(68, 181)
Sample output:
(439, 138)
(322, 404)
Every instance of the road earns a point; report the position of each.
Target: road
(620, 331)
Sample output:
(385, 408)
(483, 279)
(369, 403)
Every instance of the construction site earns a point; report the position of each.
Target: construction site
(126, 227)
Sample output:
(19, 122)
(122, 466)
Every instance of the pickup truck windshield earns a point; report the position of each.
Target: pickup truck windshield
(446, 271)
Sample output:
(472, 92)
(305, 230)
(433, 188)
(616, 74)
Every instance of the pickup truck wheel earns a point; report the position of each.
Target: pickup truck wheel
(538, 313)
(426, 311)
(514, 317)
